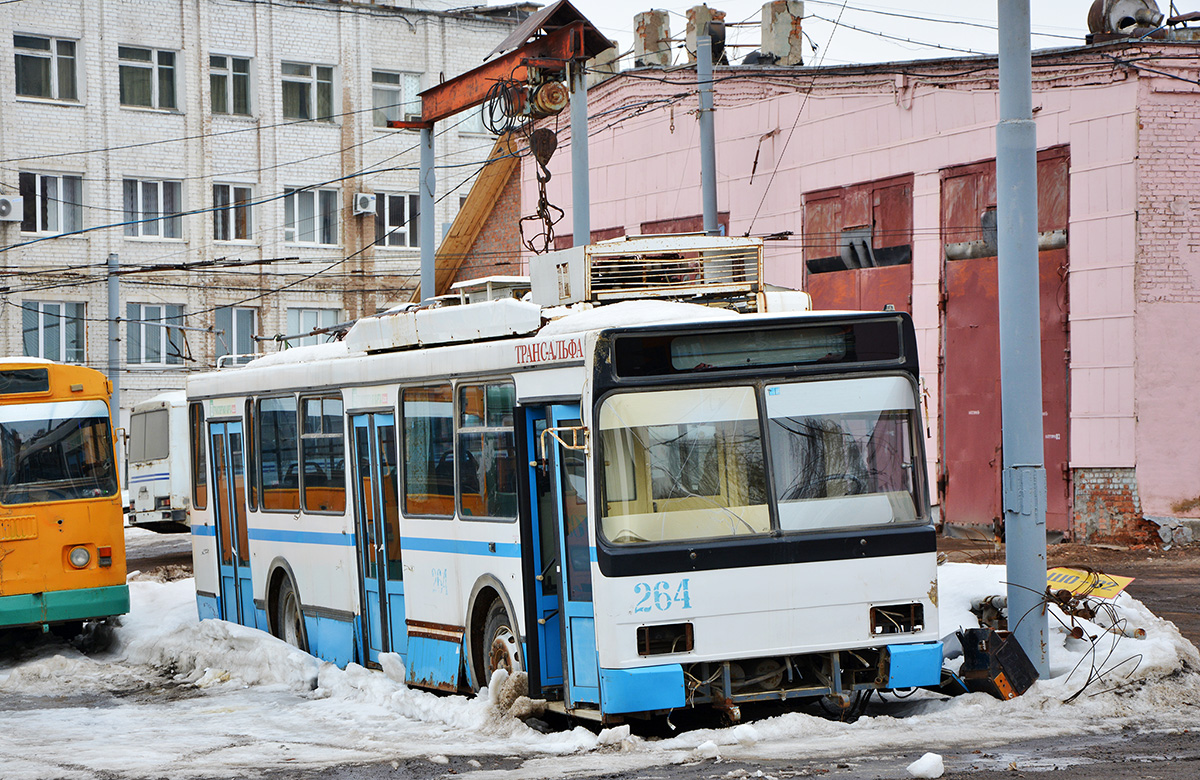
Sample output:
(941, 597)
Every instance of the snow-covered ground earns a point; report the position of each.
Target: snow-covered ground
(175, 697)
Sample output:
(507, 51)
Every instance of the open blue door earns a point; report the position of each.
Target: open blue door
(547, 568)
(377, 514)
(568, 470)
(236, 599)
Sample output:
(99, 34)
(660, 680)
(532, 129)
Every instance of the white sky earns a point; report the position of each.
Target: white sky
(962, 27)
(184, 699)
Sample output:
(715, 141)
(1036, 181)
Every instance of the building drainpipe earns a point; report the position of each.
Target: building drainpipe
(114, 337)
(1024, 475)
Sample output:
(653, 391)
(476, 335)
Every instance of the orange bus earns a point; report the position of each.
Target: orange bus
(62, 541)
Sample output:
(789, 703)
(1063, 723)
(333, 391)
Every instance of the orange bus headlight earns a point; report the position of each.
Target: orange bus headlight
(79, 557)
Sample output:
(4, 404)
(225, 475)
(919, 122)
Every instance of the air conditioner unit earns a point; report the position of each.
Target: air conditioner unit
(364, 203)
(12, 209)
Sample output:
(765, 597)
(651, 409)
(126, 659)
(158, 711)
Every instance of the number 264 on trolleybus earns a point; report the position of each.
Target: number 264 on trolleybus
(62, 540)
(645, 504)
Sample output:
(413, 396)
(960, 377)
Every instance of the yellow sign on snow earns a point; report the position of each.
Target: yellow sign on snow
(1086, 583)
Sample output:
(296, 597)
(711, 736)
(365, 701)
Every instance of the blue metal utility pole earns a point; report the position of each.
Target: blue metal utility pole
(1024, 475)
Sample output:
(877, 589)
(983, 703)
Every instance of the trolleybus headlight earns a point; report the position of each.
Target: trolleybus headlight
(79, 557)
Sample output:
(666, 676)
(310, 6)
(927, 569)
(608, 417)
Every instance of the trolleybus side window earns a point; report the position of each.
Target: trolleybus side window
(323, 455)
(842, 452)
(428, 451)
(149, 436)
(487, 474)
(199, 466)
(682, 464)
(278, 454)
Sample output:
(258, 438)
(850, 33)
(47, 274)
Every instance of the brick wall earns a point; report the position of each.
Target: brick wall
(497, 251)
(1107, 506)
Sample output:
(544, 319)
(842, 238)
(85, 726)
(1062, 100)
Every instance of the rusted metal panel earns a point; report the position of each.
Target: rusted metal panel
(822, 224)
(836, 290)
(878, 287)
(971, 434)
(1053, 186)
(892, 213)
(969, 485)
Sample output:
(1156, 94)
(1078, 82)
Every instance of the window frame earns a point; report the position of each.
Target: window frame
(292, 232)
(321, 312)
(64, 349)
(234, 211)
(137, 224)
(170, 314)
(232, 336)
(261, 459)
(198, 445)
(303, 437)
(408, 231)
(55, 57)
(158, 78)
(231, 76)
(403, 442)
(38, 203)
(401, 105)
(484, 431)
(310, 83)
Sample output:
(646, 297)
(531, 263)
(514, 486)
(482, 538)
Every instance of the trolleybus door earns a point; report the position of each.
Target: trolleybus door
(568, 470)
(545, 586)
(377, 513)
(229, 505)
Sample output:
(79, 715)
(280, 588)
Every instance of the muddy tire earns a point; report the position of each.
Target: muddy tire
(289, 621)
(501, 650)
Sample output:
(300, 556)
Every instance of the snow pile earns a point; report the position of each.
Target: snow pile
(189, 699)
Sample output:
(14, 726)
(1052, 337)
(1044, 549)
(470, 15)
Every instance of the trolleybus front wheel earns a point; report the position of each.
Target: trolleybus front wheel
(289, 621)
(500, 647)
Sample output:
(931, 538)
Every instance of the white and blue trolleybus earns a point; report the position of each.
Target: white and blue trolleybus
(641, 476)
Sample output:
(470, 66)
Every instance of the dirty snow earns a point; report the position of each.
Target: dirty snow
(176, 697)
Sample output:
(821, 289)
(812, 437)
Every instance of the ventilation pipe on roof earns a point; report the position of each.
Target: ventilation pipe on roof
(781, 36)
(652, 40)
(1124, 17)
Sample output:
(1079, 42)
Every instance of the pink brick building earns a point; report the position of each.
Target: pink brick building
(878, 181)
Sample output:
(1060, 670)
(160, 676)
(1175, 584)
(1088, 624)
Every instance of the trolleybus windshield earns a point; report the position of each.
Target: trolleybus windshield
(56, 451)
(691, 463)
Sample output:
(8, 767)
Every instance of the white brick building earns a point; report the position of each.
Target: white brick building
(132, 120)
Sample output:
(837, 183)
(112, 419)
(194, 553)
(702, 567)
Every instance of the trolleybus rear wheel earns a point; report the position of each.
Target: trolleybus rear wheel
(289, 621)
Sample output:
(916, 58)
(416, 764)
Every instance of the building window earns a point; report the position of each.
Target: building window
(152, 208)
(53, 330)
(394, 97)
(231, 212)
(53, 204)
(396, 225)
(147, 339)
(236, 329)
(307, 91)
(310, 216)
(45, 67)
(308, 320)
(229, 82)
(147, 77)
(472, 122)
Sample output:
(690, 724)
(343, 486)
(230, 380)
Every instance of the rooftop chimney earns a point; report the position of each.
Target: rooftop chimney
(651, 40)
(702, 20)
(782, 40)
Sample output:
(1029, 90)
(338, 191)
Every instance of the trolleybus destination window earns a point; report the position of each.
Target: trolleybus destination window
(24, 380)
(664, 354)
